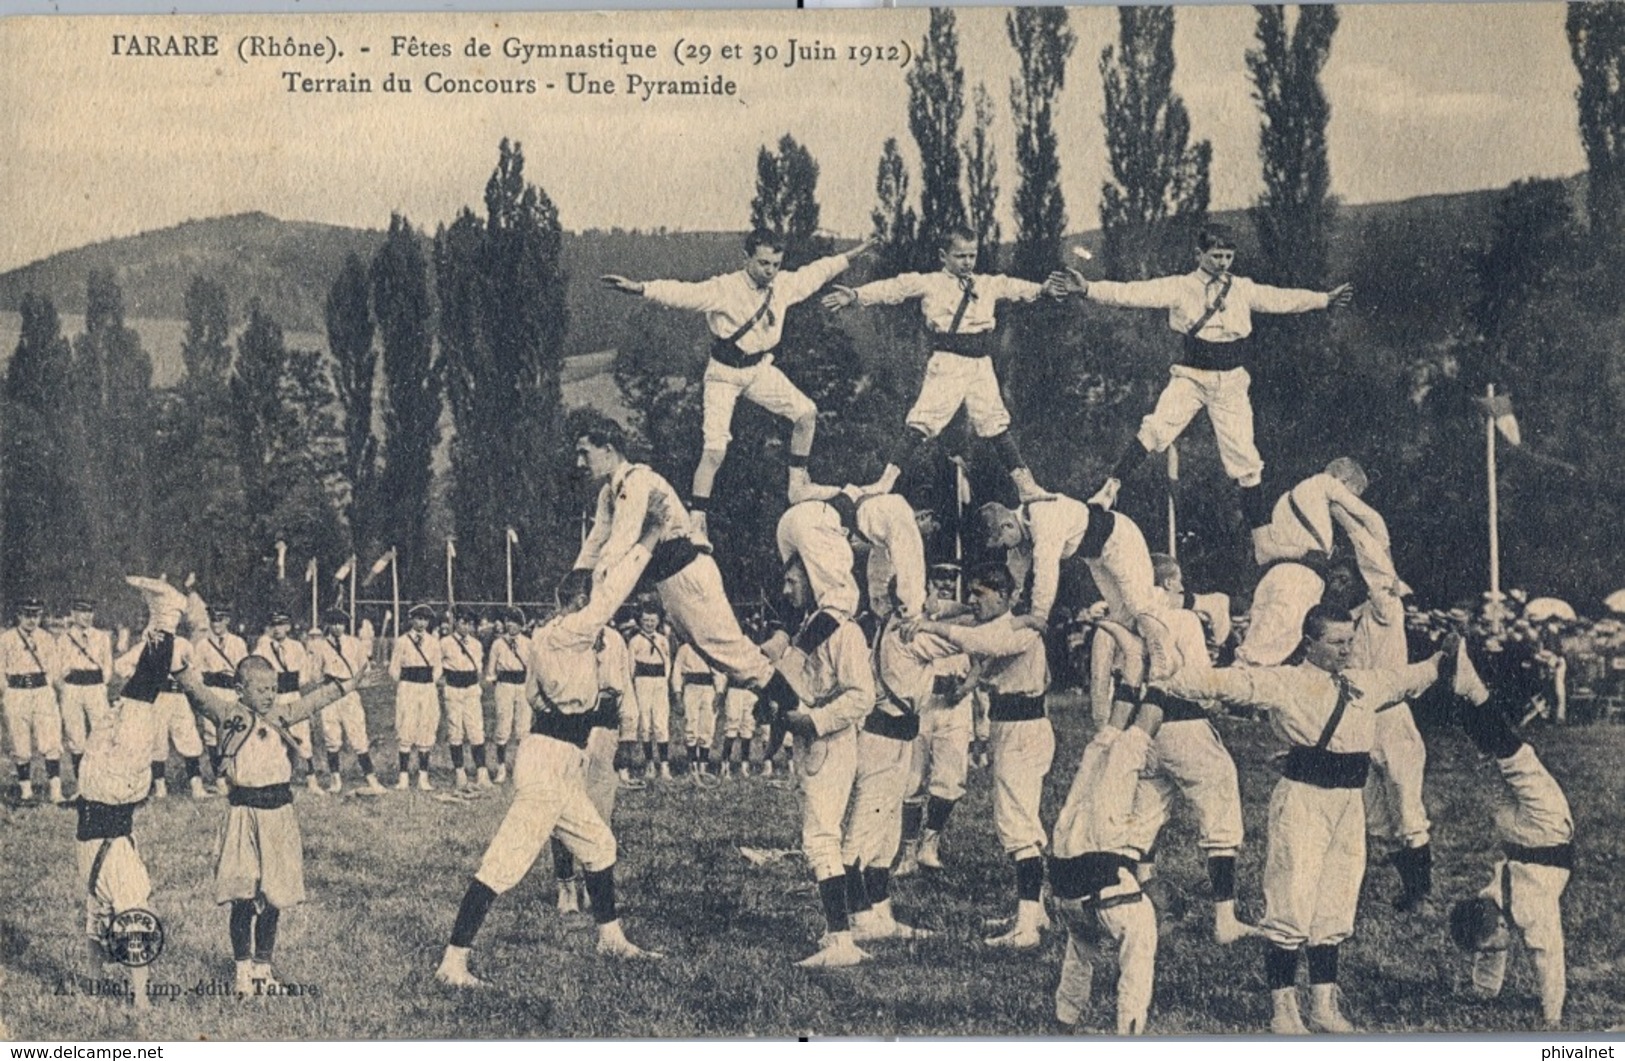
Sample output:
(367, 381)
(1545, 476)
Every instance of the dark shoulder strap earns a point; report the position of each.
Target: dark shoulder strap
(1303, 518)
(1213, 308)
(964, 304)
(1345, 693)
(761, 311)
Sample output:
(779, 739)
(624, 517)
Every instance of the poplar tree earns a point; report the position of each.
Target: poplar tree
(1294, 214)
(1159, 189)
(1043, 40)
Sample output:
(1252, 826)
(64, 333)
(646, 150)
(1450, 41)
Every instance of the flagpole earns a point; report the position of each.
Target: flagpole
(1173, 478)
(315, 594)
(395, 590)
(451, 553)
(1495, 510)
(354, 563)
(508, 539)
(959, 530)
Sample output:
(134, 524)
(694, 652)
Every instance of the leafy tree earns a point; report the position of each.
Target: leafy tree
(350, 333)
(38, 490)
(1159, 188)
(1295, 212)
(786, 189)
(1597, 42)
(936, 103)
(1043, 40)
(982, 183)
(896, 225)
(502, 326)
(290, 450)
(198, 482)
(412, 400)
(111, 423)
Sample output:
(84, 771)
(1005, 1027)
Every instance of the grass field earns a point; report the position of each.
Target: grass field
(385, 876)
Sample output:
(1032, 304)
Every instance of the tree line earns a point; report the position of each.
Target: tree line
(334, 452)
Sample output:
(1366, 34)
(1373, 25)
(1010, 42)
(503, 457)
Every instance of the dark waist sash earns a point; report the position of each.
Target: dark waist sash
(219, 679)
(261, 797)
(170, 685)
(1086, 876)
(729, 354)
(462, 679)
(1558, 856)
(668, 558)
(26, 681)
(1102, 521)
(104, 821)
(511, 677)
(1174, 708)
(417, 675)
(87, 676)
(571, 729)
(287, 681)
(981, 344)
(1214, 357)
(896, 727)
(945, 685)
(1315, 560)
(697, 677)
(1014, 707)
(1325, 769)
(644, 669)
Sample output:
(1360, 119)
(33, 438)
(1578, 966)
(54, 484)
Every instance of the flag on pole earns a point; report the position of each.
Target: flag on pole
(451, 549)
(379, 565)
(344, 572)
(310, 570)
(1499, 409)
(513, 536)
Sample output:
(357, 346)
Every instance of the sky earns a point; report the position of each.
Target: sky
(1425, 99)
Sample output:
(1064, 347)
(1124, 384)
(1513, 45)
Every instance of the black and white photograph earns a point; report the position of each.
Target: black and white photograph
(984, 522)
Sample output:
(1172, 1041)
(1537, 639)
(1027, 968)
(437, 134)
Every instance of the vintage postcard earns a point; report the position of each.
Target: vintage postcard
(1000, 522)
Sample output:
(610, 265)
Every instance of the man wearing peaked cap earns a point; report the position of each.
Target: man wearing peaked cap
(415, 666)
(341, 657)
(33, 722)
(217, 653)
(86, 655)
(507, 668)
(462, 658)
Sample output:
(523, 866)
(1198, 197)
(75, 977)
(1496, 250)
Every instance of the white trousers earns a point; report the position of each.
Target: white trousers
(763, 384)
(1314, 865)
(1393, 793)
(1224, 395)
(549, 798)
(826, 768)
(874, 828)
(952, 380)
(941, 753)
(1189, 759)
(1275, 622)
(33, 723)
(1022, 753)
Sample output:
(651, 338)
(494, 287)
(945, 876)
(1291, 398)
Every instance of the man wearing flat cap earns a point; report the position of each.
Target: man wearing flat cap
(507, 669)
(341, 657)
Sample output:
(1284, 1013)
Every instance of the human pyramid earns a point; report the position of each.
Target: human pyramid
(881, 711)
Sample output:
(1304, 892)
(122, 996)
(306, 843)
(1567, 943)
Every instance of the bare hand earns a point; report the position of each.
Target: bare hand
(1058, 284)
(840, 298)
(1340, 296)
(622, 284)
